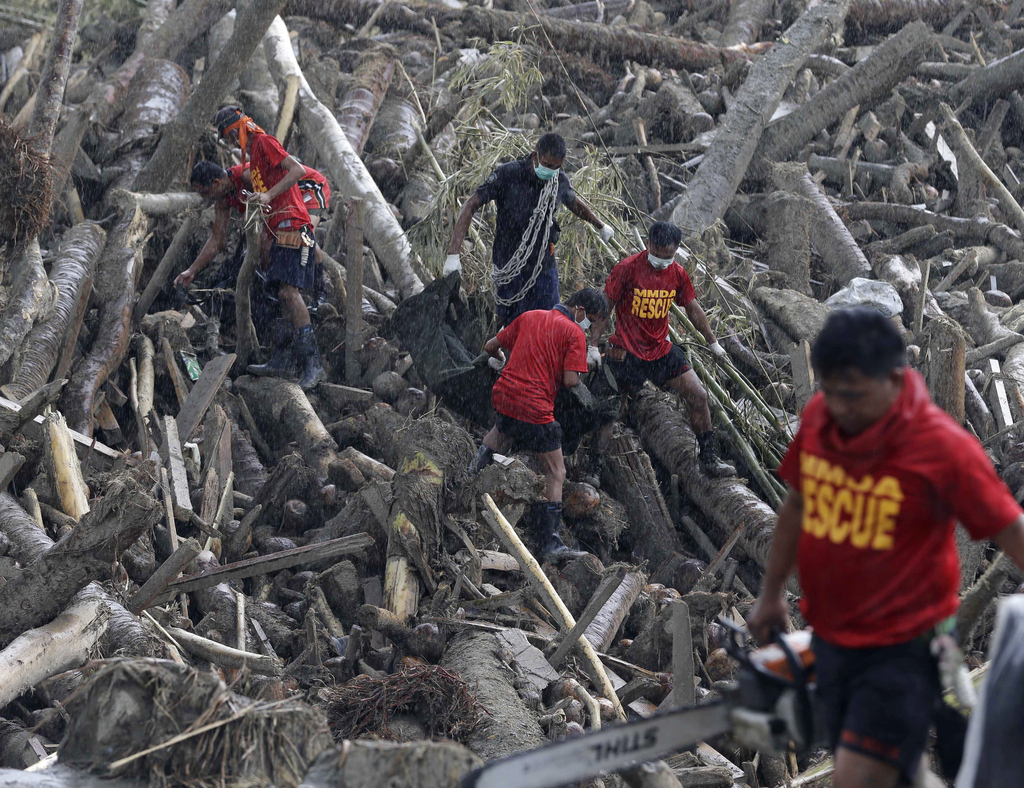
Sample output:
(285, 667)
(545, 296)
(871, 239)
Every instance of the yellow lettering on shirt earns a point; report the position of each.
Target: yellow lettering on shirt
(257, 180)
(652, 303)
(862, 511)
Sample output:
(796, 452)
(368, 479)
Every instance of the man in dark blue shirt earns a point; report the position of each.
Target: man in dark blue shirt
(526, 193)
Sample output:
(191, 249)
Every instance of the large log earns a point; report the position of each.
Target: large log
(71, 273)
(746, 18)
(45, 586)
(713, 185)
(984, 84)
(869, 81)
(169, 159)
(347, 171)
(116, 278)
(358, 107)
(50, 93)
(30, 296)
(943, 349)
(601, 631)
(666, 434)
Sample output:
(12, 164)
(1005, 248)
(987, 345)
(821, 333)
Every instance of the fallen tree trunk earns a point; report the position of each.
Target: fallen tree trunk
(714, 184)
(601, 631)
(247, 344)
(71, 273)
(116, 278)
(347, 170)
(993, 81)
(358, 107)
(869, 81)
(50, 93)
(46, 585)
(727, 503)
(30, 296)
(63, 644)
(58, 776)
(284, 414)
(179, 136)
(125, 633)
(746, 18)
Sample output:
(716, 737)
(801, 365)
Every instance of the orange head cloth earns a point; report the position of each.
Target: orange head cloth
(244, 124)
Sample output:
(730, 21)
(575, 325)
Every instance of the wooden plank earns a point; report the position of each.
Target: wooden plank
(67, 353)
(997, 396)
(497, 561)
(103, 455)
(603, 593)
(340, 396)
(683, 690)
(181, 387)
(274, 562)
(803, 373)
(202, 395)
(530, 659)
(164, 576)
(10, 464)
(170, 453)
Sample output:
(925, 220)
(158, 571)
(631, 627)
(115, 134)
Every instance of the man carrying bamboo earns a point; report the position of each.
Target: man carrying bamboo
(291, 260)
(527, 193)
(643, 288)
(878, 476)
(547, 351)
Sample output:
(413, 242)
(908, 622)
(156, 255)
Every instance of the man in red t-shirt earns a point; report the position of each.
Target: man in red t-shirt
(878, 475)
(547, 350)
(642, 288)
(291, 260)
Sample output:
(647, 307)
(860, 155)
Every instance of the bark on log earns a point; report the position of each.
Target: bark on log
(839, 251)
(891, 14)
(154, 205)
(179, 136)
(50, 93)
(904, 274)
(247, 345)
(615, 44)
(346, 169)
(30, 296)
(601, 631)
(714, 184)
(510, 727)
(71, 272)
(943, 349)
(284, 414)
(358, 108)
(866, 83)
(63, 644)
(997, 79)
(980, 595)
(666, 434)
(46, 585)
(125, 633)
(58, 776)
(116, 278)
(746, 18)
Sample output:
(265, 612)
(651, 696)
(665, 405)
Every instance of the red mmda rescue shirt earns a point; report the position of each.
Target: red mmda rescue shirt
(877, 560)
(542, 345)
(642, 296)
(315, 191)
(265, 157)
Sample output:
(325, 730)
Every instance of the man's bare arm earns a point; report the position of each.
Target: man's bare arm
(295, 173)
(213, 245)
(462, 222)
(700, 320)
(771, 609)
(582, 210)
(1011, 541)
(570, 379)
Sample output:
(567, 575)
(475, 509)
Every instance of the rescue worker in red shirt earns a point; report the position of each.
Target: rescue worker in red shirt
(291, 260)
(643, 288)
(547, 350)
(878, 476)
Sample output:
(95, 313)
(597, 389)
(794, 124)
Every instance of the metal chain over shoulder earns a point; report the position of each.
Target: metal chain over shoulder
(543, 214)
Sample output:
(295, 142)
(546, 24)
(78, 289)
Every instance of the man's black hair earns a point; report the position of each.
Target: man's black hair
(664, 234)
(591, 299)
(225, 117)
(206, 172)
(551, 144)
(861, 338)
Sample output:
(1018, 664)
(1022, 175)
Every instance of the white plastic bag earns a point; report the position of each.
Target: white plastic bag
(868, 292)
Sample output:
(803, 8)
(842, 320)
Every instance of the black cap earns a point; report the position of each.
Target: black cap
(225, 117)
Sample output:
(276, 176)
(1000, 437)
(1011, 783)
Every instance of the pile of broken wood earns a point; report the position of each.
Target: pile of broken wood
(215, 579)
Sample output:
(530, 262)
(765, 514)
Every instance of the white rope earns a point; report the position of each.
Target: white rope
(543, 214)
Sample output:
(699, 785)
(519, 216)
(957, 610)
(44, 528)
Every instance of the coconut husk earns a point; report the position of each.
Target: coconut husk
(176, 726)
(25, 187)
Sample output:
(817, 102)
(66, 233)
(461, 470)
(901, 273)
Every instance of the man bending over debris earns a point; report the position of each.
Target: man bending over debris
(643, 287)
(547, 350)
(275, 176)
(526, 193)
(878, 476)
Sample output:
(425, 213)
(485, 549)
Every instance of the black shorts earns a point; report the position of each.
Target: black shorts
(540, 438)
(879, 702)
(285, 265)
(631, 372)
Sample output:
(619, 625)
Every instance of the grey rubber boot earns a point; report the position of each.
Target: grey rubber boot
(282, 363)
(547, 517)
(308, 356)
(708, 460)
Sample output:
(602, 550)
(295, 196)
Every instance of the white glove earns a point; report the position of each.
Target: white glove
(607, 233)
(718, 350)
(451, 264)
(593, 358)
(497, 363)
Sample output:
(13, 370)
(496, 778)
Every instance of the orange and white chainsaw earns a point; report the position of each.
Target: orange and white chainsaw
(767, 708)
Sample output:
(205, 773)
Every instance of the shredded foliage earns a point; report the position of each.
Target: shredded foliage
(365, 706)
(25, 187)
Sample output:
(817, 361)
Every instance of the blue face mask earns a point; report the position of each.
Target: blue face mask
(545, 173)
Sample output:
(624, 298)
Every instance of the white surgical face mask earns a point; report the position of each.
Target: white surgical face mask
(659, 262)
(584, 323)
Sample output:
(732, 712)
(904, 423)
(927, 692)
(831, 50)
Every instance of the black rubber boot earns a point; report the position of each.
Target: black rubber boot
(708, 460)
(282, 363)
(592, 468)
(484, 457)
(308, 356)
(547, 517)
